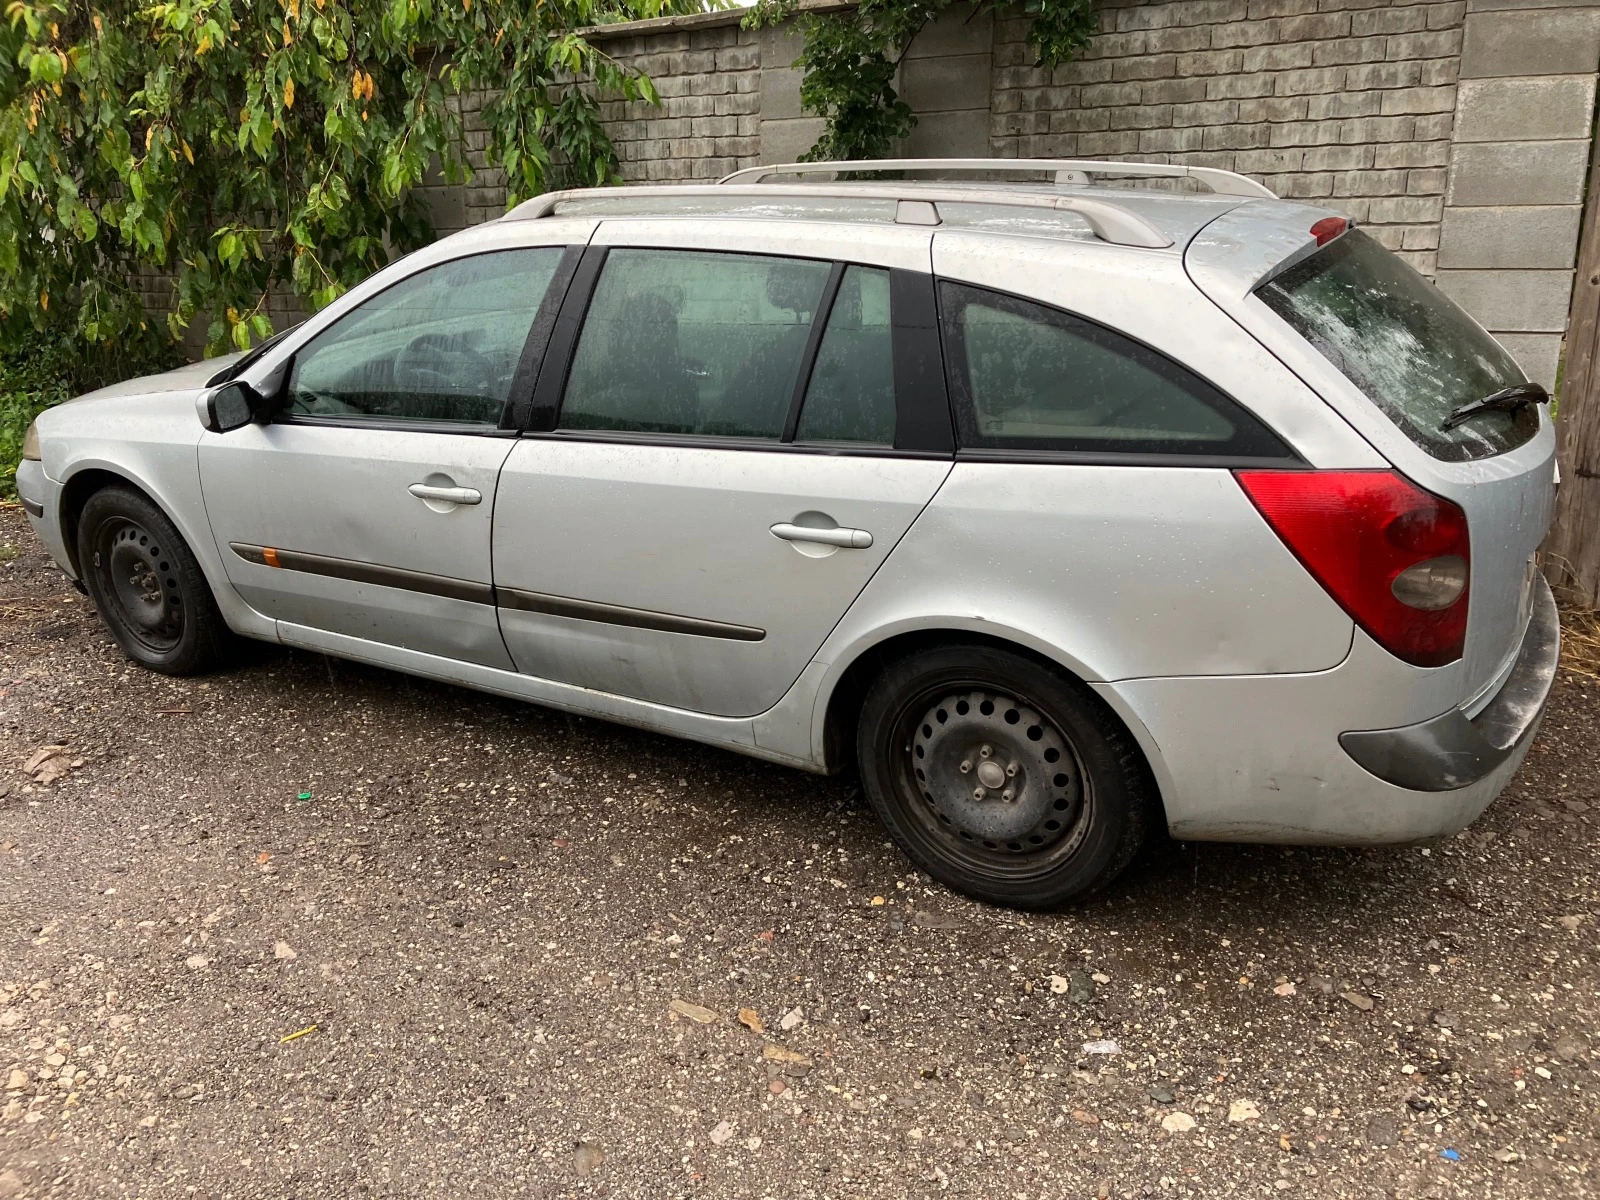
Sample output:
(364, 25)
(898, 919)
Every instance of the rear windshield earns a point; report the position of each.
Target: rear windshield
(1404, 343)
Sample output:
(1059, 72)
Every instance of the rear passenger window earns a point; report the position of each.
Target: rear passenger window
(1028, 377)
(693, 343)
(440, 346)
(850, 397)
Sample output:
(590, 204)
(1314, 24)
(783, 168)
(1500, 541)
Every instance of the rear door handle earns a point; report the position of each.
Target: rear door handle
(446, 495)
(850, 539)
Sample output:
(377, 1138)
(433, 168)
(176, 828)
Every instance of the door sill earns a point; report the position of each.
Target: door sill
(730, 733)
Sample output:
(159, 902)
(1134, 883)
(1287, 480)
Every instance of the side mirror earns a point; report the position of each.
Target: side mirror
(230, 406)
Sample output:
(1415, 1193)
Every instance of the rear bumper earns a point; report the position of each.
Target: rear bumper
(1258, 758)
(1451, 751)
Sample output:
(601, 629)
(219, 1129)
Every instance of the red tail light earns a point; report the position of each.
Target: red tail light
(1394, 556)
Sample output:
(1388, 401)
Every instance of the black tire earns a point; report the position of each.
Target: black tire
(942, 731)
(147, 586)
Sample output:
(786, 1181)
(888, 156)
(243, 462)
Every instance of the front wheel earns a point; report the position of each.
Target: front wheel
(1001, 777)
(147, 586)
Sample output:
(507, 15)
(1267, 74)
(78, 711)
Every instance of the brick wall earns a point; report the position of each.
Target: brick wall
(708, 74)
(709, 121)
(1457, 131)
(1350, 107)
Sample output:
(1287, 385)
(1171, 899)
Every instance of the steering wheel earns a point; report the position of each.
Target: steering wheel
(438, 363)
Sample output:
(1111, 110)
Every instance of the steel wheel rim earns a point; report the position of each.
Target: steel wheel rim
(140, 582)
(1006, 745)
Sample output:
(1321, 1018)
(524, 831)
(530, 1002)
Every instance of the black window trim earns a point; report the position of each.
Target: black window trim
(519, 402)
(922, 413)
(709, 441)
(1045, 454)
(924, 419)
(556, 363)
(808, 357)
(533, 349)
(1117, 458)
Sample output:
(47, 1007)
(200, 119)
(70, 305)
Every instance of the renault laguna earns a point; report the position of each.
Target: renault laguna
(1059, 509)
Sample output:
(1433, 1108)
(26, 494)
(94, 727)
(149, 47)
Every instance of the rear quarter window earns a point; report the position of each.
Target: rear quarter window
(1027, 377)
(1405, 344)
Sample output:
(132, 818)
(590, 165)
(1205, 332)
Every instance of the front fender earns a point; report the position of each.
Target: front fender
(151, 442)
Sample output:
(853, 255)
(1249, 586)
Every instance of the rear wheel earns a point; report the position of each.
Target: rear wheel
(1001, 777)
(147, 585)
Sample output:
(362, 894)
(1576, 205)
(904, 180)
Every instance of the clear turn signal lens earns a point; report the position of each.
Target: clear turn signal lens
(30, 442)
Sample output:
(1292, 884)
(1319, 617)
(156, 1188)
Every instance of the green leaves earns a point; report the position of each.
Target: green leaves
(221, 151)
(46, 66)
(851, 58)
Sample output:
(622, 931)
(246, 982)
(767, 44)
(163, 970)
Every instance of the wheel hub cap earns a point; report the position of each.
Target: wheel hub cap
(996, 772)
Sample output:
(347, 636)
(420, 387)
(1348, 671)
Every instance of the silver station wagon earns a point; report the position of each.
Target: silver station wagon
(1055, 508)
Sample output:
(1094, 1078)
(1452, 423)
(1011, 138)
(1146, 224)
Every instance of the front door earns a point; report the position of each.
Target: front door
(366, 509)
(727, 470)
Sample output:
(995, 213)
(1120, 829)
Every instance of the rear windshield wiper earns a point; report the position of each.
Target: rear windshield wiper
(1510, 399)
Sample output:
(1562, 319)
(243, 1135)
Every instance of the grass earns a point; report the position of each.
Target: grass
(40, 369)
(1580, 640)
(19, 405)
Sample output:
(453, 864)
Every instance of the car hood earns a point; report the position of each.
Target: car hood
(189, 378)
(101, 426)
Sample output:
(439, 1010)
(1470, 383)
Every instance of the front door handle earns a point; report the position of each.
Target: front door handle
(850, 539)
(446, 495)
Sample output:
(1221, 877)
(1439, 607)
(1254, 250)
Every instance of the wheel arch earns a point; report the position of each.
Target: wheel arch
(839, 706)
(89, 476)
(75, 492)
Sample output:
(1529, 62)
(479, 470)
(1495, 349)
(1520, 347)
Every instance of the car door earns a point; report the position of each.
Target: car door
(722, 455)
(365, 508)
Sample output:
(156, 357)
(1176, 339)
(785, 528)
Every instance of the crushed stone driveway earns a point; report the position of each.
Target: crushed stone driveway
(309, 929)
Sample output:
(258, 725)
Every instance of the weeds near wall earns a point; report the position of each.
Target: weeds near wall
(39, 368)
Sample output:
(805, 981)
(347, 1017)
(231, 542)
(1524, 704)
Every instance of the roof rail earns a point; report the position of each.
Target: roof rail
(1078, 171)
(1109, 221)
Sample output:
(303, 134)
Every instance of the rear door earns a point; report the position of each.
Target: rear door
(724, 452)
(365, 509)
(1394, 357)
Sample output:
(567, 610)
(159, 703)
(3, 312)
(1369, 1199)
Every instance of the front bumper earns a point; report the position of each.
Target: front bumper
(1451, 751)
(30, 486)
(41, 500)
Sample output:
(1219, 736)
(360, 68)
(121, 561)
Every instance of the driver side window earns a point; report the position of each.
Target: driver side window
(442, 345)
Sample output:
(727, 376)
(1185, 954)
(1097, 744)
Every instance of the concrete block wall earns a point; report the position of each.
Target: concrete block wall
(741, 89)
(708, 123)
(1458, 132)
(787, 131)
(1346, 103)
(947, 78)
(1518, 164)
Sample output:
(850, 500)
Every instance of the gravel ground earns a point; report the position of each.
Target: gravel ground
(314, 929)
